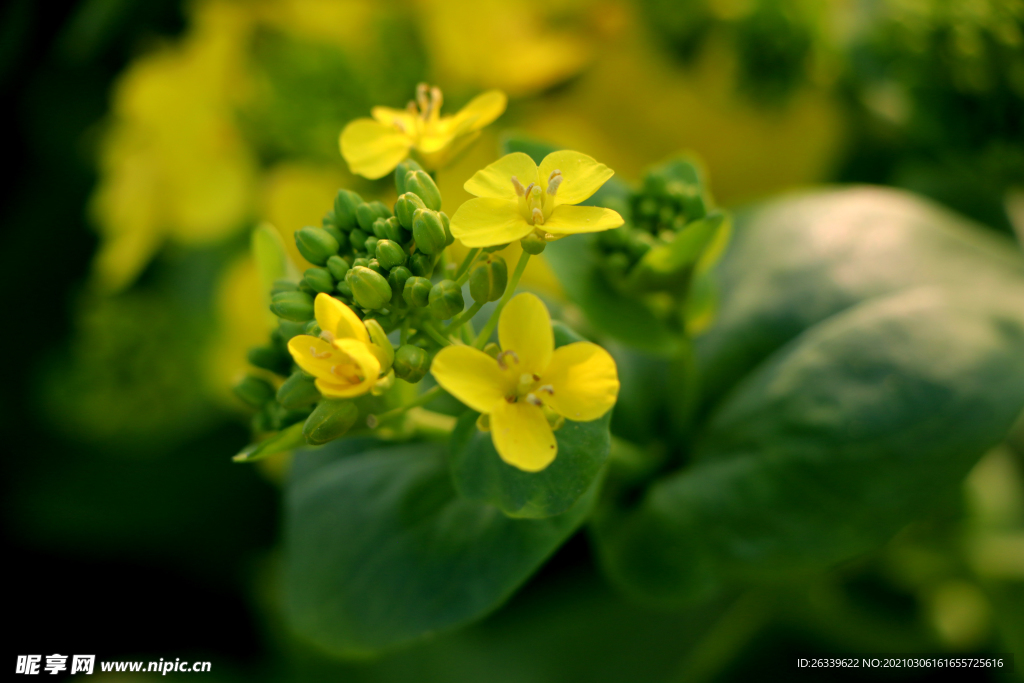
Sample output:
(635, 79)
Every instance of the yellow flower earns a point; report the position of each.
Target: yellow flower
(373, 147)
(343, 360)
(515, 197)
(577, 381)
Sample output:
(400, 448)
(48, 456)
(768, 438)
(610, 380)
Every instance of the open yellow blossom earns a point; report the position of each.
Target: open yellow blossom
(578, 381)
(516, 197)
(343, 360)
(373, 147)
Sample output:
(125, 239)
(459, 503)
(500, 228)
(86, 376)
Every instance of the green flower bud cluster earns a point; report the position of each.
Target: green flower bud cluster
(383, 264)
(672, 198)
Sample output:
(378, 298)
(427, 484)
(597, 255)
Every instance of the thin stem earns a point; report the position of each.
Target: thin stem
(458, 320)
(426, 397)
(513, 282)
(404, 338)
(434, 334)
(466, 263)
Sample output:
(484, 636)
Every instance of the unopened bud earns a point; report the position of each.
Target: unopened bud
(492, 349)
(449, 239)
(283, 286)
(338, 267)
(313, 328)
(533, 244)
(298, 391)
(270, 358)
(329, 420)
(421, 264)
(369, 289)
(401, 170)
(379, 226)
(420, 183)
(288, 329)
(397, 278)
(345, 204)
(417, 292)
(446, 300)
(428, 231)
(376, 267)
(357, 239)
(390, 254)
(319, 279)
(406, 206)
(367, 213)
(255, 392)
(380, 340)
(488, 282)
(394, 231)
(294, 306)
(316, 245)
(411, 363)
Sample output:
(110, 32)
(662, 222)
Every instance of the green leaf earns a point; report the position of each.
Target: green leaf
(287, 439)
(480, 474)
(381, 551)
(610, 311)
(669, 264)
(869, 350)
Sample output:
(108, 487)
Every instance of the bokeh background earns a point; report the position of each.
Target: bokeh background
(144, 142)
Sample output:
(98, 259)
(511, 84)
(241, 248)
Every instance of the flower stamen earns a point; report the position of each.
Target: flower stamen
(533, 400)
(501, 358)
(313, 352)
(520, 190)
(327, 336)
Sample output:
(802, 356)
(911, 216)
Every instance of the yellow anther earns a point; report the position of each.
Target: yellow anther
(533, 400)
(547, 389)
(501, 358)
(520, 190)
(553, 182)
(313, 352)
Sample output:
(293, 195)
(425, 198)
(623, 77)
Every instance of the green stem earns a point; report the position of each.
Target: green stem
(434, 334)
(461, 318)
(492, 322)
(464, 266)
(423, 399)
(430, 425)
(404, 338)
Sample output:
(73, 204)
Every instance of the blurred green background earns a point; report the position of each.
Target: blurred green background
(147, 139)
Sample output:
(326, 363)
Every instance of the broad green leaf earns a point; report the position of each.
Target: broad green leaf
(869, 349)
(669, 264)
(799, 259)
(381, 550)
(287, 439)
(480, 474)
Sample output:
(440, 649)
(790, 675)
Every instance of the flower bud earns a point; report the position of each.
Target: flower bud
(364, 262)
(316, 245)
(340, 237)
(255, 392)
(357, 239)
(533, 244)
(380, 339)
(401, 170)
(420, 183)
(379, 227)
(329, 420)
(288, 329)
(411, 363)
(294, 306)
(319, 279)
(406, 206)
(304, 287)
(367, 213)
(370, 245)
(428, 231)
(270, 358)
(376, 267)
(446, 300)
(394, 231)
(449, 239)
(283, 286)
(390, 254)
(345, 204)
(488, 282)
(313, 328)
(369, 289)
(298, 391)
(421, 264)
(417, 292)
(492, 349)
(397, 279)
(344, 289)
(338, 267)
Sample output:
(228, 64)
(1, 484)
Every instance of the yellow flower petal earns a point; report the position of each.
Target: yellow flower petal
(495, 181)
(487, 222)
(525, 328)
(335, 317)
(345, 368)
(314, 355)
(582, 176)
(472, 376)
(481, 111)
(584, 379)
(395, 118)
(367, 364)
(570, 220)
(522, 436)
(373, 149)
